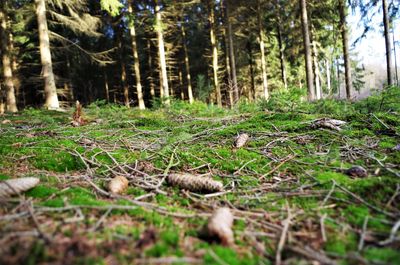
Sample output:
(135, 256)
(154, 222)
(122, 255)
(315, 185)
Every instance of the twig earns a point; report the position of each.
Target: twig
(282, 240)
(363, 234)
(392, 236)
(288, 158)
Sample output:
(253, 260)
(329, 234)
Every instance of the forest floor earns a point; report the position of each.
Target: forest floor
(287, 188)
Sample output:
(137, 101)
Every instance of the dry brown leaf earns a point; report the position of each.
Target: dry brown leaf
(195, 183)
(77, 116)
(118, 184)
(220, 226)
(241, 140)
(15, 186)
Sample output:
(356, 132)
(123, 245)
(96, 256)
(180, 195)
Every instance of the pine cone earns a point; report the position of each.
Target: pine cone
(118, 185)
(241, 140)
(220, 226)
(195, 183)
(15, 186)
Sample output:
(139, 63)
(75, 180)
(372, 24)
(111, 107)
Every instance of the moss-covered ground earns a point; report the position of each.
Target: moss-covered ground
(288, 172)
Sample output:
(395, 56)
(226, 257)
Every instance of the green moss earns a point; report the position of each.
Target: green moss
(41, 191)
(386, 255)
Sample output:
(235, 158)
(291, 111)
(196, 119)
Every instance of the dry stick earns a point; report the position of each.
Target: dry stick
(44, 236)
(312, 254)
(363, 234)
(322, 224)
(385, 167)
(245, 164)
(282, 240)
(288, 158)
(365, 202)
(101, 220)
(329, 194)
(395, 194)
(392, 236)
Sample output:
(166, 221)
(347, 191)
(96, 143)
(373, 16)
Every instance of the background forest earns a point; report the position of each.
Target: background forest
(141, 53)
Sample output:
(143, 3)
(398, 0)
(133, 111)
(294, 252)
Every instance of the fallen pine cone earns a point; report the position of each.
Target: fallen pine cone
(241, 140)
(15, 186)
(194, 183)
(220, 226)
(357, 171)
(118, 185)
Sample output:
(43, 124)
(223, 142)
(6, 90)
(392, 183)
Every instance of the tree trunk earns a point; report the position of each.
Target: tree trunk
(251, 66)
(345, 44)
(232, 58)
(328, 76)
(214, 47)
(161, 53)
(11, 104)
(124, 83)
(50, 91)
(136, 63)
(387, 43)
(281, 52)
(187, 64)
(262, 51)
(106, 86)
(151, 66)
(307, 51)
(395, 59)
(317, 79)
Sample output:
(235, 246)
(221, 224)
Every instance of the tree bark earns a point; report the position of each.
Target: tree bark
(150, 73)
(345, 44)
(307, 51)
(187, 64)
(328, 76)
(213, 39)
(262, 51)
(251, 66)
(318, 92)
(124, 83)
(232, 59)
(136, 63)
(161, 53)
(11, 103)
(282, 56)
(386, 25)
(50, 91)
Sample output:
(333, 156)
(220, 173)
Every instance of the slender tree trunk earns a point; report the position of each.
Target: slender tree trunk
(187, 64)
(124, 83)
(251, 66)
(262, 51)
(345, 44)
(161, 53)
(50, 91)
(136, 63)
(395, 59)
(386, 25)
(214, 47)
(282, 57)
(328, 76)
(11, 103)
(228, 72)
(307, 51)
(232, 58)
(317, 80)
(151, 66)
(106, 87)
